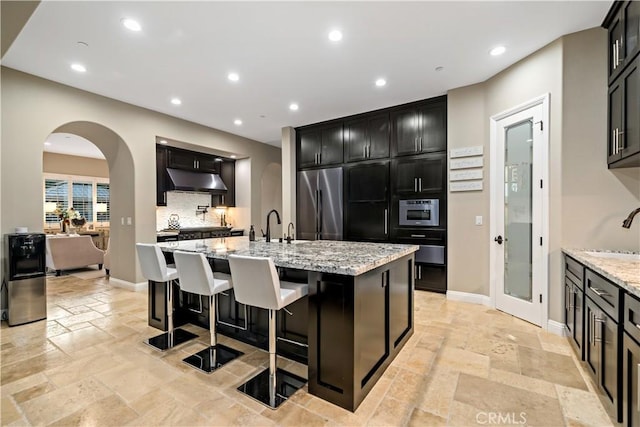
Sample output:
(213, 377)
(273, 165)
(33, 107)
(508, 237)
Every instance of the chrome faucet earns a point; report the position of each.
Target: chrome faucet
(627, 222)
(289, 235)
(268, 235)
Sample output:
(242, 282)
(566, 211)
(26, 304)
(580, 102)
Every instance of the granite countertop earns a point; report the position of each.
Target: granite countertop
(623, 272)
(327, 256)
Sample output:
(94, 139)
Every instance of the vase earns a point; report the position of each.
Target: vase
(63, 226)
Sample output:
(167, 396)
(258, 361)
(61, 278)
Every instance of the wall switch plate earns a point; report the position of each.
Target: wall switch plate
(478, 219)
(121, 220)
(128, 220)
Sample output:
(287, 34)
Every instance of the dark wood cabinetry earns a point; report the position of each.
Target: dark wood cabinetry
(367, 138)
(602, 338)
(420, 128)
(574, 303)
(631, 362)
(367, 202)
(416, 176)
(623, 25)
(624, 118)
(163, 182)
(321, 146)
(177, 158)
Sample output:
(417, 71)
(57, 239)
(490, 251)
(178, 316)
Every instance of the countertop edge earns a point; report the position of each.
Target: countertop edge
(592, 263)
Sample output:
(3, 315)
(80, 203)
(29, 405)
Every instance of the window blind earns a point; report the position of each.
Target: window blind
(56, 191)
(83, 199)
(102, 196)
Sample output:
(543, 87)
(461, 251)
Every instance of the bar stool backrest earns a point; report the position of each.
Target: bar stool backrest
(255, 282)
(152, 262)
(194, 273)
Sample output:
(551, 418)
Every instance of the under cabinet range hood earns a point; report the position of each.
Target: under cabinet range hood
(196, 181)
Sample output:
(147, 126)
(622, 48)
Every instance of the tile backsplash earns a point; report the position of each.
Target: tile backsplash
(184, 204)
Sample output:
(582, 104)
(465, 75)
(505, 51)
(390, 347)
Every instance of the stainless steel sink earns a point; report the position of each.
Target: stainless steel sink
(614, 255)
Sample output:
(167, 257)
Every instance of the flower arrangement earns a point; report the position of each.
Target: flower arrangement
(69, 216)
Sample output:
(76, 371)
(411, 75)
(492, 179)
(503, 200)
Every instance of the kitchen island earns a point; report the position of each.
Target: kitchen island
(356, 318)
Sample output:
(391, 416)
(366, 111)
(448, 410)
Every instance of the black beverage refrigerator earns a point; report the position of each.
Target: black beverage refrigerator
(26, 281)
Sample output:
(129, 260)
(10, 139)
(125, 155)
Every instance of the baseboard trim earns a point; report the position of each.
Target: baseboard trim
(557, 328)
(469, 297)
(136, 287)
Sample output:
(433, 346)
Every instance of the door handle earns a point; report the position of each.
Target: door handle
(613, 56)
(364, 151)
(320, 158)
(600, 292)
(620, 140)
(499, 239)
(591, 327)
(368, 151)
(386, 211)
(317, 214)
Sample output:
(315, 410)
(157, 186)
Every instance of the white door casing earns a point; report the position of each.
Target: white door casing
(528, 301)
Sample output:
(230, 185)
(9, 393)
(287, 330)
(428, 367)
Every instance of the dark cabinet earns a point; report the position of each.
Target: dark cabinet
(420, 128)
(602, 338)
(367, 138)
(631, 362)
(416, 176)
(624, 118)
(574, 303)
(228, 176)
(623, 25)
(193, 161)
(320, 146)
(163, 183)
(630, 380)
(367, 201)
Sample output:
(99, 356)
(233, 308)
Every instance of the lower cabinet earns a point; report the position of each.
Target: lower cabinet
(630, 380)
(574, 314)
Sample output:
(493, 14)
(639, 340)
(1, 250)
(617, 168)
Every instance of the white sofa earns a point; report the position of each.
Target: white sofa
(68, 252)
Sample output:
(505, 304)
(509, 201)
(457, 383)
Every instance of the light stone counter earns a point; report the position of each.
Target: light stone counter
(623, 272)
(327, 256)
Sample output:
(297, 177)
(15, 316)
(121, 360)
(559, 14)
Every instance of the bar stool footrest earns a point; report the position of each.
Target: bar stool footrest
(212, 358)
(165, 342)
(286, 384)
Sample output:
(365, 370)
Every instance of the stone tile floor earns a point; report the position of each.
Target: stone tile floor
(465, 365)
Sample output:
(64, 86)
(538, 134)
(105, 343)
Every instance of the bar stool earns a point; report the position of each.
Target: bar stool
(154, 267)
(256, 283)
(196, 277)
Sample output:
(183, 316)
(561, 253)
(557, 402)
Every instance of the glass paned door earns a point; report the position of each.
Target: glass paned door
(518, 269)
(518, 163)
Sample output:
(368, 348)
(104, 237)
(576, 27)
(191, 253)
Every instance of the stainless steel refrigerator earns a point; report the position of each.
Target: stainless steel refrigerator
(319, 203)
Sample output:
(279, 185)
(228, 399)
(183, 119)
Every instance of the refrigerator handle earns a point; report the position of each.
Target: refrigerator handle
(386, 213)
(320, 212)
(317, 214)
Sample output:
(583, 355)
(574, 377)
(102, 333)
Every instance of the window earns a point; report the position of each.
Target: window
(88, 195)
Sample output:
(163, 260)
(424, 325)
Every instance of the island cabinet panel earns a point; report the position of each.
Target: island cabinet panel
(356, 328)
(630, 380)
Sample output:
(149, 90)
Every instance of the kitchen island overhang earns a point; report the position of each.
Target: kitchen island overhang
(358, 314)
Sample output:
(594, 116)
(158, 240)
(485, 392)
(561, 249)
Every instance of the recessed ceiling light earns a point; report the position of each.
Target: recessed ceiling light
(176, 101)
(79, 68)
(47, 143)
(163, 141)
(498, 50)
(381, 82)
(233, 156)
(439, 68)
(237, 122)
(234, 77)
(131, 24)
(83, 44)
(335, 35)
(293, 107)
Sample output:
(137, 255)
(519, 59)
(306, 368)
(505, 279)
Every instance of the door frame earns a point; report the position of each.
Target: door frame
(542, 100)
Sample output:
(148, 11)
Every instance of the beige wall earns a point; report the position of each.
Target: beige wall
(32, 108)
(587, 201)
(74, 165)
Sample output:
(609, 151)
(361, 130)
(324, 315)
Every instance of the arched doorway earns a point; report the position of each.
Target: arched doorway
(122, 197)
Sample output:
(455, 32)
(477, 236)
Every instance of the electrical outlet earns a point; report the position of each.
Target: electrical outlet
(478, 219)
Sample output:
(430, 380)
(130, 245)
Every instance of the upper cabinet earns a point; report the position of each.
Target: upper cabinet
(163, 182)
(623, 24)
(228, 176)
(193, 161)
(623, 140)
(320, 146)
(413, 177)
(367, 138)
(419, 128)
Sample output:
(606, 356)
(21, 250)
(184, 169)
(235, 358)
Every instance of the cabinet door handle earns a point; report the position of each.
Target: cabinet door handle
(364, 151)
(222, 197)
(415, 144)
(415, 185)
(164, 197)
(601, 321)
(418, 235)
(320, 157)
(419, 272)
(620, 140)
(591, 335)
(420, 143)
(368, 151)
(386, 215)
(600, 292)
(420, 184)
(613, 56)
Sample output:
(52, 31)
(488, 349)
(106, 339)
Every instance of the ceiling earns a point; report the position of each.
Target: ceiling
(72, 145)
(282, 54)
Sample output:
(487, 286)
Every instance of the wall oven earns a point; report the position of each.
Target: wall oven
(419, 212)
